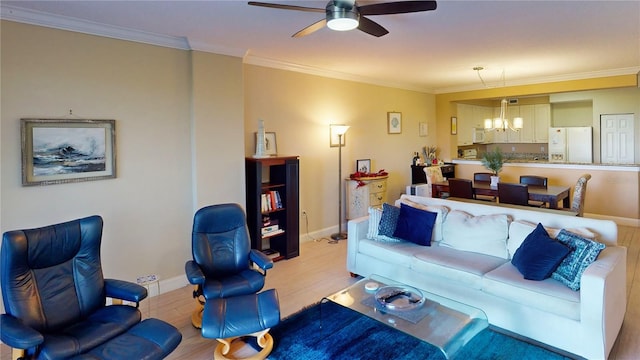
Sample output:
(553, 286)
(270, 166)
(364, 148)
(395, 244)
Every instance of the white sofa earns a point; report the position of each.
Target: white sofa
(584, 322)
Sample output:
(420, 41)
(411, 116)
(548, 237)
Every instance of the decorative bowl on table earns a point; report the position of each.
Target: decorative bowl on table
(399, 298)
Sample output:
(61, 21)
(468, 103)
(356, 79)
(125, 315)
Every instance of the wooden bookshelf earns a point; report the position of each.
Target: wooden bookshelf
(272, 191)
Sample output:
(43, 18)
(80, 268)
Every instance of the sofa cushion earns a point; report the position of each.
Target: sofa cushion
(519, 229)
(438, 209)
(583, 253)
(374, 221)
(484, 234)
(415, 225)
(460, 266)
(394, 253)
(548, 295)
(539, 255)
(387, 225)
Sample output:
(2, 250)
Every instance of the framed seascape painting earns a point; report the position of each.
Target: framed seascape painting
(56, 151)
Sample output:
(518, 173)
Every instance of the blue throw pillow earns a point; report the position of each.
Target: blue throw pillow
(539, 255)
(415, 225)
(388, 222)
(583, 252)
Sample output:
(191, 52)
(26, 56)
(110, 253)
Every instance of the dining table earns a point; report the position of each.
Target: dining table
(551, 194)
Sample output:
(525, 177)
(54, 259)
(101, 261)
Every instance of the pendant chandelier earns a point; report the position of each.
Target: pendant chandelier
(500, 123)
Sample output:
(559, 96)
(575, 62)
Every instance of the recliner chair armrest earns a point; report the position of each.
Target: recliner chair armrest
(194, 273)
(18, 335)
(124, 290)
(260, 259)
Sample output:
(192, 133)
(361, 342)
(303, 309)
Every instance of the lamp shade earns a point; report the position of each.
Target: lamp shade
(518, 123)
(340, 129)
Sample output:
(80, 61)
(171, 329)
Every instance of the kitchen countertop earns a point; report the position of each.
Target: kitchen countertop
(547, 164)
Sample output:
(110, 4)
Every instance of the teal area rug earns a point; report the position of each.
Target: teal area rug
(332, 332)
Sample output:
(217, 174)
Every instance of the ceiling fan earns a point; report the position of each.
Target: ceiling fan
(342, 15)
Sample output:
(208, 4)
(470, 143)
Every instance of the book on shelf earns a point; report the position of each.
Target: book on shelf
(269, 229)
(271, 233)
(270, 200)
(267, 221)
(272, 254)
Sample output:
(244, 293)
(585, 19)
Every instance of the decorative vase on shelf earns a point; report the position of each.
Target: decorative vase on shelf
(260, 145)
(494, 181)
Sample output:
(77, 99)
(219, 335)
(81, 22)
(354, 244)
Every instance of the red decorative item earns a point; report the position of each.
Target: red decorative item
(357, 176)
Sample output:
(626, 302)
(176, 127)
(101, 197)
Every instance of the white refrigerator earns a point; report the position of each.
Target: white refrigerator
(571, 144)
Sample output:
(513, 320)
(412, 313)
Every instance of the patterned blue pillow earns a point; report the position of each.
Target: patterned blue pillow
(388, 222)
(583, 253)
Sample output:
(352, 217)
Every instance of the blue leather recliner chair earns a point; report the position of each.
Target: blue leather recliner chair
(227, 286)
(54, 296)
(222, 257)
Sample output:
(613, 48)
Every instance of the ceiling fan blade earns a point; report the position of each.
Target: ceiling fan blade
(311, 28)
(286, 7)
(371, 27)
(399, 7)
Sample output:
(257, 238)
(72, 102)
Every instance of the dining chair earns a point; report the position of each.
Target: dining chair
(461, 188)
(516, 194)
(579, 193)
(483, 177)
(433, 174)
(534, 180)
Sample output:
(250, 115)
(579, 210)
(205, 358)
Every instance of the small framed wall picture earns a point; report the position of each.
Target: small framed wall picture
(270, 145)
(394, 122)
(454, 125)
(363, 166)
(423, 129)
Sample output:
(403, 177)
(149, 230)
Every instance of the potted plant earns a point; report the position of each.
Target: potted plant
(493, 161)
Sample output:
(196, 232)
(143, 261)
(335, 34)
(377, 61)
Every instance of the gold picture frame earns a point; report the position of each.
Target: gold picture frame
(454, 125)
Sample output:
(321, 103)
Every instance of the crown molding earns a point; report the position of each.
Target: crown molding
(546, 79)
(33, 17)
(282, 65)
(215, 49)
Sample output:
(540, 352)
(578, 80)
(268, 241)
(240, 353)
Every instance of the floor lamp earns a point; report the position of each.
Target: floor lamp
(339, 130)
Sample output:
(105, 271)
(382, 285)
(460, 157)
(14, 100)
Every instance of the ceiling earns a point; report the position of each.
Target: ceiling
(434, 51)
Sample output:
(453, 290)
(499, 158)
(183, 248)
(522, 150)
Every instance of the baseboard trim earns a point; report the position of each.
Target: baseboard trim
(167, 285)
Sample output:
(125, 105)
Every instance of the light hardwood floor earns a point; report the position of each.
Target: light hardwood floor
(320, 270)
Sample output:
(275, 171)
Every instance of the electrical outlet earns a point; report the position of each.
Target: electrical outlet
(147, 279)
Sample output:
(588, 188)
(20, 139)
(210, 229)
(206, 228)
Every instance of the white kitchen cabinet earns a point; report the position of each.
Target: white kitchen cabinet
(527, 133)
(513, 112)
(542, 122)
(465, 124)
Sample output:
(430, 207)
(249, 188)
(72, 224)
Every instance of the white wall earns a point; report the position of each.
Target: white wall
(606, 101)
(180, 142)
(299, 108)
(185, 121)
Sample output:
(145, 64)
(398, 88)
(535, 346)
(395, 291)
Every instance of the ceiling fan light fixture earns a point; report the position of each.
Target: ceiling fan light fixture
(341, 19)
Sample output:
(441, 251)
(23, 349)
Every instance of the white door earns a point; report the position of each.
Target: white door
(616, 138)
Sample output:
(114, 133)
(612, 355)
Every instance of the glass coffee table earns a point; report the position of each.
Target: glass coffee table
(442, 322)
